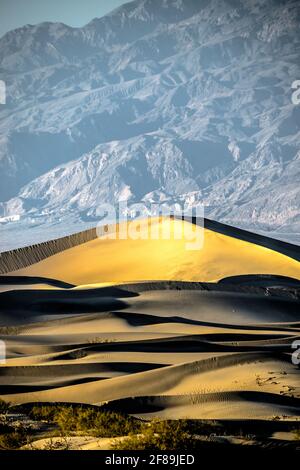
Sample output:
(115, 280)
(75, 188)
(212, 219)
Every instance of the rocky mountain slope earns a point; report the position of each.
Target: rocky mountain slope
(157, 100)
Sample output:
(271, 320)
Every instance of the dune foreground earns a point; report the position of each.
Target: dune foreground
(156, 330)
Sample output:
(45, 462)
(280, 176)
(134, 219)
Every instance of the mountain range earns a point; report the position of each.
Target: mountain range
(170, 100)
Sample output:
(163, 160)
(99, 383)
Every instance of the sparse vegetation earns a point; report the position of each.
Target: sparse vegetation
(12, 438)
(68, 420)
(4, 406)
(297, 434)
(99, 340)
(161, 435)
(54, 444)
(168, 435)
(10, 330)
(72, 418)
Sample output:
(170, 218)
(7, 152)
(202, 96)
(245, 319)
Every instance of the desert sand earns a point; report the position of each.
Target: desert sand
(129, 260)
(155, 330)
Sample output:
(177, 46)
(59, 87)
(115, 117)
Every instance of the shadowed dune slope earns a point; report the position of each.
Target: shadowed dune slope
(181, 352)
(154, 329)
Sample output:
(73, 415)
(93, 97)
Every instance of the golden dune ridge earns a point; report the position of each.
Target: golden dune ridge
(129, 260)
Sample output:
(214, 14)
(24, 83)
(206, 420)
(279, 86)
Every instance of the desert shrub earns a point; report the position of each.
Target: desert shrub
(10, 330)
(4, 406)
(71, 418)
(170, 435)
(43, 413)
(160, 435)
(112, 424)
(92, 420)
(54, 444)
(100, 423)
(65, 418)
(296, 433)
(13, 439)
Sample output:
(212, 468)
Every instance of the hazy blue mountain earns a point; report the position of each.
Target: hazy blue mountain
(158, 99)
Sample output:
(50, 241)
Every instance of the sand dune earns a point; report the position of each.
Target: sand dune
(108, 260)
(74, 443)
(153, 329)
(255, 405)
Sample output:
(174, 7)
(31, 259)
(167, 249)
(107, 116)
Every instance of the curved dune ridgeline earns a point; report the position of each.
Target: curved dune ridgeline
(177, 251)
(153, 329)
(22, 257)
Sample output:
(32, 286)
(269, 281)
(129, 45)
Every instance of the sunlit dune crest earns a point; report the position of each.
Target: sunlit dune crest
(180, 251)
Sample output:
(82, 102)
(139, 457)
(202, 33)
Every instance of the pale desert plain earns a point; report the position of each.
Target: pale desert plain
(155, 331)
